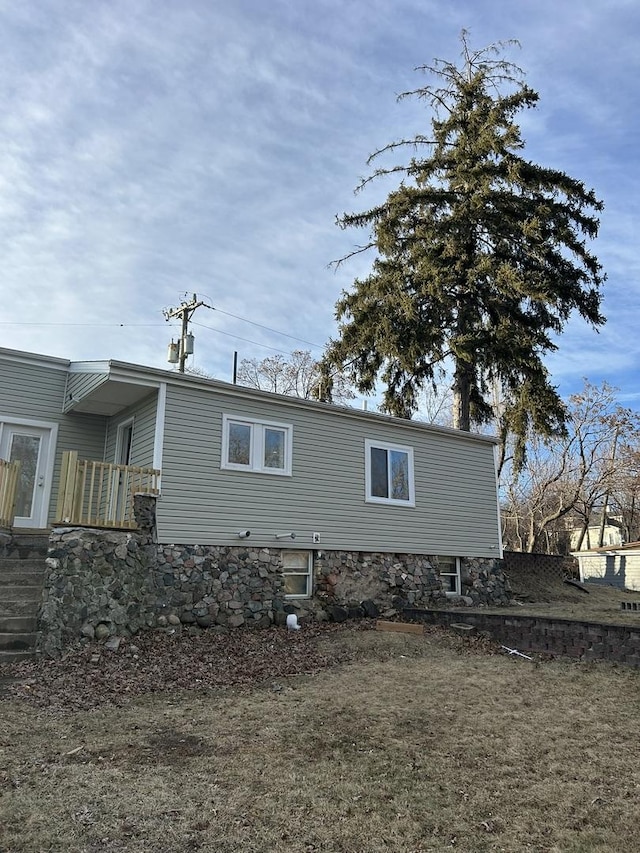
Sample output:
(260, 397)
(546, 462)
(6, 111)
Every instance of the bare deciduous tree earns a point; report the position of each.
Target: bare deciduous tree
(570, 476)
(297, 376)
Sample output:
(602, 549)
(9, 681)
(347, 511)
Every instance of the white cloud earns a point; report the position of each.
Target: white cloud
(153, 149)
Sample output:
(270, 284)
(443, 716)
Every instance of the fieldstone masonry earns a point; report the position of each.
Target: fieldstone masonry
(214, 585)
(97, 583)
(102, 583)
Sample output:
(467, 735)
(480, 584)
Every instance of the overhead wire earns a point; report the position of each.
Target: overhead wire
(88, 325)
(211, 328)
(237, 337)
(194, 323)
(267, 328)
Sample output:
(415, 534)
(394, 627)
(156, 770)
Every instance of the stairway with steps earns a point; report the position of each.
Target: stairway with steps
(21, 578)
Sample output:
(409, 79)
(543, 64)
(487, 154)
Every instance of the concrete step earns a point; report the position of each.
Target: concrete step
(38, 559)
(19, 592)
(16, 656)
(18, 608)
(23, 546)
(17, 624)
(15, 577)
(24, 642)
(29, 563)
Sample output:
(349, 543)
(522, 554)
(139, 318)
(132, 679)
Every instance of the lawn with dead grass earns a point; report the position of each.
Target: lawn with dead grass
(398, 743)
(589, 602)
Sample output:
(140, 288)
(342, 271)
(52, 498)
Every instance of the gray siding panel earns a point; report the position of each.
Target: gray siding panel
(456, 505)
(32, 391)
(144, 425)
(81, 384)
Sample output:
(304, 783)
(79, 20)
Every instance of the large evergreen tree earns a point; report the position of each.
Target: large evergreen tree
(481, 257)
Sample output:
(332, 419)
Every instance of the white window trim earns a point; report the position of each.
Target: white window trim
(256, 465)
(450, 593)
(298, 572)
(120, 431)
(385, 445)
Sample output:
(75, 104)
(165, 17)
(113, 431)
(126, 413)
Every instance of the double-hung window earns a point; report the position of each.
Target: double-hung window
(449, 568)
(296, 571)
(252, 445)
(389, 473)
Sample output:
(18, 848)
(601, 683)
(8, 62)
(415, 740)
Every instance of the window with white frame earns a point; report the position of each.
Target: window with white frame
(252, 445)
(389, 473)
(449, 568)
(296, 571)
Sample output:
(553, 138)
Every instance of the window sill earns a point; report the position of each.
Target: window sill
(272, 472)
(389, 502)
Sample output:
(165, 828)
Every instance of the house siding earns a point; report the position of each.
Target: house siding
(619, 570)
(144, 424)
(455, 511)
(81, 384)
(35, 391)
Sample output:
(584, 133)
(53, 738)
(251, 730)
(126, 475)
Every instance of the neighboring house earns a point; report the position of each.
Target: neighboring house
(611, 534)
(243, 467)
(616, 566)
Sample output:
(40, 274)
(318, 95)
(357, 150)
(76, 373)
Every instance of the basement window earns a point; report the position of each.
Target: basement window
(296, 571)
(449, 568)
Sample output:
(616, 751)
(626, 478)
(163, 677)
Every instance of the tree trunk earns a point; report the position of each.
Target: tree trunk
(583, 533)
(462, 396)
(603, 523)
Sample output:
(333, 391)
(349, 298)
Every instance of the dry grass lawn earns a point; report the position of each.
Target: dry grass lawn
(600, 603)
(417, 743)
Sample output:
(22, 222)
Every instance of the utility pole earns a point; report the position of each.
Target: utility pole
(184, 311)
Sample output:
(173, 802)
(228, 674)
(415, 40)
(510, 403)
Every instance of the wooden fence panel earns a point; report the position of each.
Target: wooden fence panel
(9, 476)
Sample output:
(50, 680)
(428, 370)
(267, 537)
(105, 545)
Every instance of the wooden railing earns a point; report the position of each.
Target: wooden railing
(100, 494)
(9, 477)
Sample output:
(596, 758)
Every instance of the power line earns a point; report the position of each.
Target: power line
(211, 307)
(141, 325)
(267, 328)
(87, 325)
(238, 338)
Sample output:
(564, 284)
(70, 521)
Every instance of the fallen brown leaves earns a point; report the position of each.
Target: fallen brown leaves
(92, 676)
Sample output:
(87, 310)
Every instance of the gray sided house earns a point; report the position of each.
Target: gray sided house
(308, 503)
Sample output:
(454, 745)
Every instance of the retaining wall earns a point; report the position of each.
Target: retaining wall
(586, 640)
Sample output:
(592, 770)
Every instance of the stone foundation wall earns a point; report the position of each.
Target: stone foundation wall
(215, 585)
(97, 583)
(485, 582)
(101, 583)
(390, 581)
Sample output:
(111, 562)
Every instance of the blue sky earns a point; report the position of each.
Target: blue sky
(153, 149)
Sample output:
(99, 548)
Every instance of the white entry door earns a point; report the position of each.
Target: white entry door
(30, 445)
